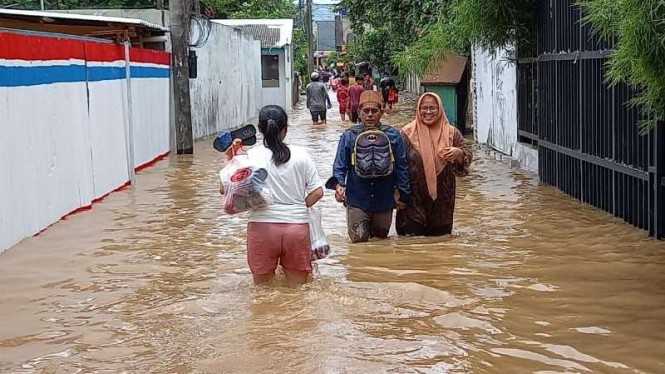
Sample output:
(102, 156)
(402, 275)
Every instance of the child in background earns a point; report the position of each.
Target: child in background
(393, 97)
(343, 98)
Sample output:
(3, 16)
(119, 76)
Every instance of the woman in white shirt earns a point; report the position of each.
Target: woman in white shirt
(279, 234)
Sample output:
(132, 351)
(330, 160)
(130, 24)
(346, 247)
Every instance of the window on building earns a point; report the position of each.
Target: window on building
(270, 70)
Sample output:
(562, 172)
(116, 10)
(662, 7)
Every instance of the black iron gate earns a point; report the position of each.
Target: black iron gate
(588, 136)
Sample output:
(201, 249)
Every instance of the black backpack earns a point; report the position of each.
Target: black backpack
(372, 155)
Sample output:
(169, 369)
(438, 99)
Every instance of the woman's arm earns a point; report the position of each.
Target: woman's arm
(314, 197)
(461, 167)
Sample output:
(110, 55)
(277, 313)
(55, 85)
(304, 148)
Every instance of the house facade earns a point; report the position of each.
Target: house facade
(277, 73)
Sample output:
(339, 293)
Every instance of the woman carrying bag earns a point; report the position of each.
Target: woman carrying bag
(279, 234)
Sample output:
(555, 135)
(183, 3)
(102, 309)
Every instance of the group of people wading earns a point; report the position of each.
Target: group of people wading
(348, 96)
(377, 169)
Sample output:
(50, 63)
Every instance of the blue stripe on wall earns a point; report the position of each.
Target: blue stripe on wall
(149, 72)
(105, 73)
(15, 76)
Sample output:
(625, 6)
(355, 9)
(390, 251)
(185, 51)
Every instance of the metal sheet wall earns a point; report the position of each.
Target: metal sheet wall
(590, 142)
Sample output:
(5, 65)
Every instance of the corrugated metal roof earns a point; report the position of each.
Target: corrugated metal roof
(272, 33)
(448, 71)
(81, 18)
(268, 36)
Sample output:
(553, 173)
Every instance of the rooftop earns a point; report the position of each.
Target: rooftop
(53, 17)
(448, 71)
(272, 33)
(78, 24)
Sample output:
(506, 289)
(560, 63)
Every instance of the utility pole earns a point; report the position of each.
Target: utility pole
(310, 37)
(181, 16)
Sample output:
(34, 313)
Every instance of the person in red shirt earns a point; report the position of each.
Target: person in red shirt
(354, 98)
(343, 98)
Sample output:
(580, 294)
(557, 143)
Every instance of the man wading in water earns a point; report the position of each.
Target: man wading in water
(317, 100)
(370, 174)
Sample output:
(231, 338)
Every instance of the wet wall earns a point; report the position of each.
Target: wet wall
(67, 108)
(227, 90)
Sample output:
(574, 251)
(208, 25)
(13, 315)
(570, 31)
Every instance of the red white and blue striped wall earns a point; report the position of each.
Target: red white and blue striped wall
(65, 109)
(27, 60)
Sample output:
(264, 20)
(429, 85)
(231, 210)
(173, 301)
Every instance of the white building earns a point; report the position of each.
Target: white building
(495, 108)
(277, 74)
(226, 92)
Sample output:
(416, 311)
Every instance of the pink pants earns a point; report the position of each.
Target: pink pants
(286, 244)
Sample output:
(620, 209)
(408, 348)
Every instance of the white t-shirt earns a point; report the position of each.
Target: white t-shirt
(290, 183)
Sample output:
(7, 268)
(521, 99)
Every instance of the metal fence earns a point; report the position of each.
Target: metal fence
(588, 135)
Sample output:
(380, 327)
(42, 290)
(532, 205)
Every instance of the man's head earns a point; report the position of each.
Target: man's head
(370, 108)
(315, 77)
(358, 79)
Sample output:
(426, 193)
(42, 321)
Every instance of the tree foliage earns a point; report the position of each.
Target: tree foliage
(462, 23)
(638, 27)
(251, 8)
(384, 28)
(418, 32)
(414, 33)
(376, 47)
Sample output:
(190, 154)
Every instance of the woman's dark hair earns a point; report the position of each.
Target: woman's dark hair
(272, 120)
(345, 82)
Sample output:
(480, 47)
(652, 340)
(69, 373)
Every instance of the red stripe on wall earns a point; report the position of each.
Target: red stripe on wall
(151, 162)
(100, 198)
(31, 47)
(149, 56)
(104, 52)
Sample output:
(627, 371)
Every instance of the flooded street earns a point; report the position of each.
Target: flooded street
(154, 280)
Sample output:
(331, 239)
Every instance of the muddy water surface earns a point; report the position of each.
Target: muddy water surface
(154, 279)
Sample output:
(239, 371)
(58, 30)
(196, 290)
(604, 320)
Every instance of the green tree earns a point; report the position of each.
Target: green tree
(251, 8)
(383, 28)
(462, 23)
(374, 46)
(638, 26)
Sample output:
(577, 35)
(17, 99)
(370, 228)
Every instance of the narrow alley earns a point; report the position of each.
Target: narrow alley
(156, 280)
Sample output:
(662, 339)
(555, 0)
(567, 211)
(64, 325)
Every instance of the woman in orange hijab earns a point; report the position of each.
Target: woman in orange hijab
(437, 155)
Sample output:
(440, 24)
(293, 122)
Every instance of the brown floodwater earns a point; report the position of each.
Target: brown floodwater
(154, 280)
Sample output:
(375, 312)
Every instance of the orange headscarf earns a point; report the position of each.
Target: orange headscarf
(431, 142)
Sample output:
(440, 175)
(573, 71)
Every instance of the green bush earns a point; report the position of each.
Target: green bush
(638, 26)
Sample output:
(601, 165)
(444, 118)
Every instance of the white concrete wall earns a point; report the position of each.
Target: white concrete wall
(496, 99)
(150, 119)
(227, 91)
(495, 116)
(64, 111)
(45, 158)
(278, 95)
(107, 142)
(288, 77)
